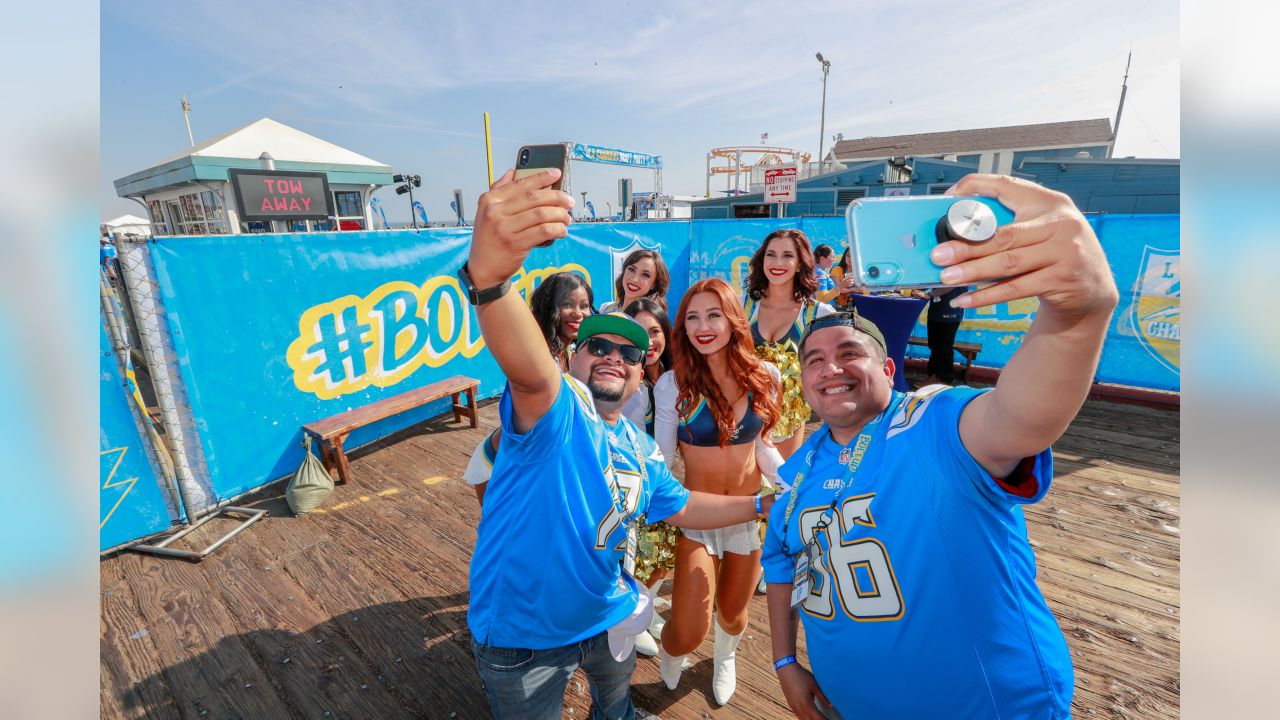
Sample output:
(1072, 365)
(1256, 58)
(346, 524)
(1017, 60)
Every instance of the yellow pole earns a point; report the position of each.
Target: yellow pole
(488, 148)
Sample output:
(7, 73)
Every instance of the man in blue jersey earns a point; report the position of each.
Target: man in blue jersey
(551, 589)
(901, 543)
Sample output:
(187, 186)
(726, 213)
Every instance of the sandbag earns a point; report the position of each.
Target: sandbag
(311, 485)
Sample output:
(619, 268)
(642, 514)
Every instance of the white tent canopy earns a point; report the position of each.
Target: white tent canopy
(127, 224)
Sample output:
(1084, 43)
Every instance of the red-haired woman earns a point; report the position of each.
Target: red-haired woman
(780, 304)
(717, 406)
(643, 275)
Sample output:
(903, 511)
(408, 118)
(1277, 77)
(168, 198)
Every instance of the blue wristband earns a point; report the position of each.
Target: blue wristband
(759, 506)
(788, 660)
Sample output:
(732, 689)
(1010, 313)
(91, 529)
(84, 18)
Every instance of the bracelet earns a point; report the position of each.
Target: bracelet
(759, 506)
(788, 660)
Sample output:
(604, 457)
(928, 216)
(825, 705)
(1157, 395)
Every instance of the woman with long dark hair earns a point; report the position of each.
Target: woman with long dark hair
(652, 316)
(780, 304)
(643, 275)
(716, 407)
(559, 304)
(845, 289)
(657, 554)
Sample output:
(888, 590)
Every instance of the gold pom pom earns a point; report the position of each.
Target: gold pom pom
(656, 551)
(794, 412)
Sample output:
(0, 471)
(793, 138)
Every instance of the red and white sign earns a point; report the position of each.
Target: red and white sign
(780, 184)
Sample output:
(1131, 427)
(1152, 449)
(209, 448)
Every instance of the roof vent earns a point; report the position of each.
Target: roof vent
(267, 162)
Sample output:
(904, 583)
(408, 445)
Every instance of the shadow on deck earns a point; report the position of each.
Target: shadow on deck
(359, 610)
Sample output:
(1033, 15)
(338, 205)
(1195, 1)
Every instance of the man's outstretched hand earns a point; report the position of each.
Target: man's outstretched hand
(512, 218)
(1049, 252)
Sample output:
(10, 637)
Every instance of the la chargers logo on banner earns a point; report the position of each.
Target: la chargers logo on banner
(1156, 309)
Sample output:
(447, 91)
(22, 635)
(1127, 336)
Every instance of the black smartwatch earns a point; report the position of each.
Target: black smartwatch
(480, 297)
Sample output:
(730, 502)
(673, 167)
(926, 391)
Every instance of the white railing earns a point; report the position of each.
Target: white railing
(804, 171)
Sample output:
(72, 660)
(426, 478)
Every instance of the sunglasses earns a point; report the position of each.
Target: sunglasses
(600, 347)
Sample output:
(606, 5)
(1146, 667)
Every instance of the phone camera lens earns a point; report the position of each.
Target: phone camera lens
(873, 272)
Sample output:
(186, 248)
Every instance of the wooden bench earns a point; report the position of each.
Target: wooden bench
(332, 431)
(968, 350)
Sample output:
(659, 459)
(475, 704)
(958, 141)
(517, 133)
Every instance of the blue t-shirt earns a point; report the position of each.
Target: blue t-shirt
(546, 571)
(928, 606)
(825, 282)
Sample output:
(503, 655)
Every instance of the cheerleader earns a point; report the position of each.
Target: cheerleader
(780, 304)
(716, 407)
(643, 275)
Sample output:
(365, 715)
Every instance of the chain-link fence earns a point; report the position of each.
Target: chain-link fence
(145, 323)
(157, 451)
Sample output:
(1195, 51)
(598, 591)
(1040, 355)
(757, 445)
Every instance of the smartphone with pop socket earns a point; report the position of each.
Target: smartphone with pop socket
(533, 159)
(890, 238)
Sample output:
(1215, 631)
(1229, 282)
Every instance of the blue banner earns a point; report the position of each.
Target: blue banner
(131, 501)
(377, 205)
(422, 213)
(274, 331)
(610, 156)
(1142, 348)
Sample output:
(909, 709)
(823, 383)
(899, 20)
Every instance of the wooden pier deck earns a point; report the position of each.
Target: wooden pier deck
(359, 611)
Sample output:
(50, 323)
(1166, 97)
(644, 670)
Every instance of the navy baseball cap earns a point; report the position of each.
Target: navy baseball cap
(841, 319)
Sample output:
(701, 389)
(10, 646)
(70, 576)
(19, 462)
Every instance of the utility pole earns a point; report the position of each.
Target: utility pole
(186, 116)
(1124, 89)
(822, 124)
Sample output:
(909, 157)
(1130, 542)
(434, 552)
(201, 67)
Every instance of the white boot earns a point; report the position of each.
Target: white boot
(647, 644)
(658, 622)
(656, 625)
(724, 675)
(671, 667)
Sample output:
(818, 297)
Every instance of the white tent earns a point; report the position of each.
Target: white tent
(127, 225)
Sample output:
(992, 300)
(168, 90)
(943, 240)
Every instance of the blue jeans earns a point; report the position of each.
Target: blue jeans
(522, 683)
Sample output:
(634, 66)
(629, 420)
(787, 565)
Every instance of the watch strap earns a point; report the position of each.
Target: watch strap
(477, 296)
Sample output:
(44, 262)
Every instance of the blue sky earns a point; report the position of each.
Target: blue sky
(405, 83)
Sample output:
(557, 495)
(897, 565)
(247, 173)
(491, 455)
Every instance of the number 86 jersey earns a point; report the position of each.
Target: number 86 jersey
(923, 600)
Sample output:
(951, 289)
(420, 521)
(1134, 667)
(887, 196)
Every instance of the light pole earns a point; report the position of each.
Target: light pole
(410, 182)
(822, 124)
(582, 210)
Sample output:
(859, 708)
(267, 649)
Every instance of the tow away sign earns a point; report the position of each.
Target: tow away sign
(780, 184)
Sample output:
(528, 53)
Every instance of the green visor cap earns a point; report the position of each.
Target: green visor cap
(613, 324)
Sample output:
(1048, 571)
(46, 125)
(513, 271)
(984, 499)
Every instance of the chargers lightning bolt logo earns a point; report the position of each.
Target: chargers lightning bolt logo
(110, 483)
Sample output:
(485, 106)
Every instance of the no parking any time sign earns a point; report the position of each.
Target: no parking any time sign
(780, 184)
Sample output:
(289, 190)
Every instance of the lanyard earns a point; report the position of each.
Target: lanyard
(620, 498)
(852, 464)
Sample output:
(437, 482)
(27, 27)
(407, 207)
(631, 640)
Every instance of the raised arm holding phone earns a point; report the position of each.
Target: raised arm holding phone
(901, 544)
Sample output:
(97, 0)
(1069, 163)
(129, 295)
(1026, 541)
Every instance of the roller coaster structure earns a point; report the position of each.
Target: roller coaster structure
(764, 156)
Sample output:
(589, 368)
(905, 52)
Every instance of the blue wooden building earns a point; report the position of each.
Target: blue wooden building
(1069, 156)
